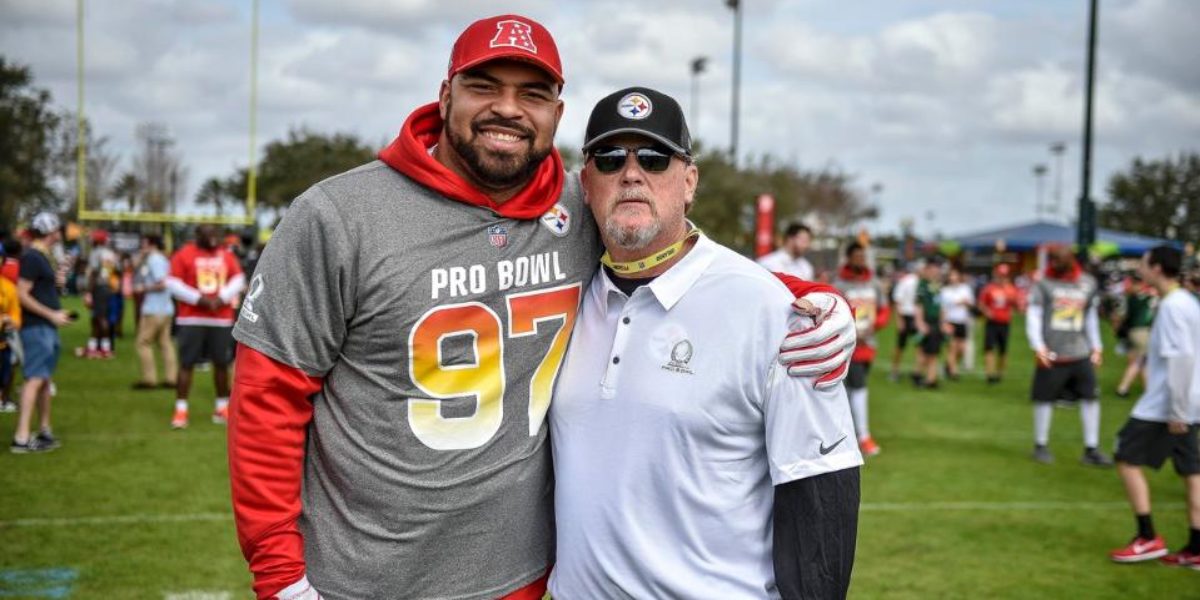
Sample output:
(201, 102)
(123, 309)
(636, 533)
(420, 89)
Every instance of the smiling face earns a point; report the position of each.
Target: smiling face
(500, 119)
(639, 211)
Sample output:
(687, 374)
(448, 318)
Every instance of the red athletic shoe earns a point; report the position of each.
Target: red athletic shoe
(221, 415)
(179, 420)
(1183, 558)
(868, 447)
(1140, 549)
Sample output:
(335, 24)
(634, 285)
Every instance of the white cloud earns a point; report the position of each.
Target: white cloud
(948, 109)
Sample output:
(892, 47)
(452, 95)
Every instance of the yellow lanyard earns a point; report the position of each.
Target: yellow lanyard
(645, 264)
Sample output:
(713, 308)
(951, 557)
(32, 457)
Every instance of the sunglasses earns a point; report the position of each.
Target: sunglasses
(610, 159)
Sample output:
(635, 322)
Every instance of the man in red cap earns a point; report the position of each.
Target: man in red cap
(996, 302)
(401, 338)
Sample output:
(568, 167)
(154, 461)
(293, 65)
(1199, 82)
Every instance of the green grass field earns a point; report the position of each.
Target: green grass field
(953, 508)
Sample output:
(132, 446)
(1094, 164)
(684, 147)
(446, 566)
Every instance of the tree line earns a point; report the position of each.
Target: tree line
(38, 146)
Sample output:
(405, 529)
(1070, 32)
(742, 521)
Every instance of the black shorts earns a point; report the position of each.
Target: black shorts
(1148, 444)
(1065, 381)
(960, 330)
(910, 329)
(203, 343)
(100, 296)
(995, 337)
(931, 343)
(856, 376)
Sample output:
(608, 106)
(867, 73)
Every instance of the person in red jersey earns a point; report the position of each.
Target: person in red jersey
(400, 339)
(206, 280)
(857, 282)
(996, 302)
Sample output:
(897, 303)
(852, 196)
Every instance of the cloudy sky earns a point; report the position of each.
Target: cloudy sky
(947, 104)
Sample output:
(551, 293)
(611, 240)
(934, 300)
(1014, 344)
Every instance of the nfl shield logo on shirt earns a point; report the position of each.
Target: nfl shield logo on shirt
(557, 220)
(498, 235)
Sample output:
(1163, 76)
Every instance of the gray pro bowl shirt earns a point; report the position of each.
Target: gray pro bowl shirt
(439, 328)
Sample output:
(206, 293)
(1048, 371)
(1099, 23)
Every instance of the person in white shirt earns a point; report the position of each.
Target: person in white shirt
(790, 257)
(957, 298)
(687, 463)
(904, 298)
(1164, 422)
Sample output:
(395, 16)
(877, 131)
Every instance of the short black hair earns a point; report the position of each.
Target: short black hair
(154, 240)
(852, 248)
(1168, 258)
(12, 247)
(794, 229)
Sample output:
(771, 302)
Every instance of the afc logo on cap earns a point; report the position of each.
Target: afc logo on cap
(514, 34)
(634, 106)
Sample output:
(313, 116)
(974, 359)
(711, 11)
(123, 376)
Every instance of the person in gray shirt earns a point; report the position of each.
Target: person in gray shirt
(1062, 323)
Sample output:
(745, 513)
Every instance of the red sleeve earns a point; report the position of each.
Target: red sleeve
(800, 287)
(882, 313)
(269, 414)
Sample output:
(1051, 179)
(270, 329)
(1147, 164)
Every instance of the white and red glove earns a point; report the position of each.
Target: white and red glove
(823, 350)
(301, 590)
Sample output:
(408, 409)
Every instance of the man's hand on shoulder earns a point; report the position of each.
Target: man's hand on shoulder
(823, 350)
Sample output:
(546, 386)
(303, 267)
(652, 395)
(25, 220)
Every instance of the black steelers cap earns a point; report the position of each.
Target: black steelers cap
(642, 111)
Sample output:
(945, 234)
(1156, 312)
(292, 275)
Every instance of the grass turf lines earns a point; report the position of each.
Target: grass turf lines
(952, 508)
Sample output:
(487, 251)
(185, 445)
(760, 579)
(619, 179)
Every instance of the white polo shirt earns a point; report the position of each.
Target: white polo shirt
(904, 294)
(671, 423)
(1175, 332)
(782, 262)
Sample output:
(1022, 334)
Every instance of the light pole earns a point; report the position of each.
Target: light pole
(1057, 149)
(736, 6)
(1039, 175)
(1086, 228)
(698, 65)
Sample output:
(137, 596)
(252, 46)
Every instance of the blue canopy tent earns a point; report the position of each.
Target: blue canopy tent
(1026, 238)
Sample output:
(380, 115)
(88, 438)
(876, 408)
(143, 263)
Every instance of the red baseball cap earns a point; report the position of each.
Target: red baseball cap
(99, 236)
(506, 36)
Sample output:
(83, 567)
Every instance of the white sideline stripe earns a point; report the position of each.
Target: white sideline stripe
(1001, 506)
(865, 507)
(197, 595)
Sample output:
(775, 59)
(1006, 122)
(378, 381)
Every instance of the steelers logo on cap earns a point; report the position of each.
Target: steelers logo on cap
(634, 106)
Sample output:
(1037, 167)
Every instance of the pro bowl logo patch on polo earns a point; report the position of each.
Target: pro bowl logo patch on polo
(557, 220)
(498, 235)
(681, 355)
(635, 106)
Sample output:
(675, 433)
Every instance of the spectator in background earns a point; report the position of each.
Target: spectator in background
(103, 281)
(11, 268)
(10, 271)
(1062, 323)
(1164, 421)
(904, 298)
(41, 316)
(956, 299)
(206, 279)
(929, 324)
(790, 258)
(1140, 298)
(10, 324)
(119, 301)
(157, 311)
(996, 302)
(858, 284)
